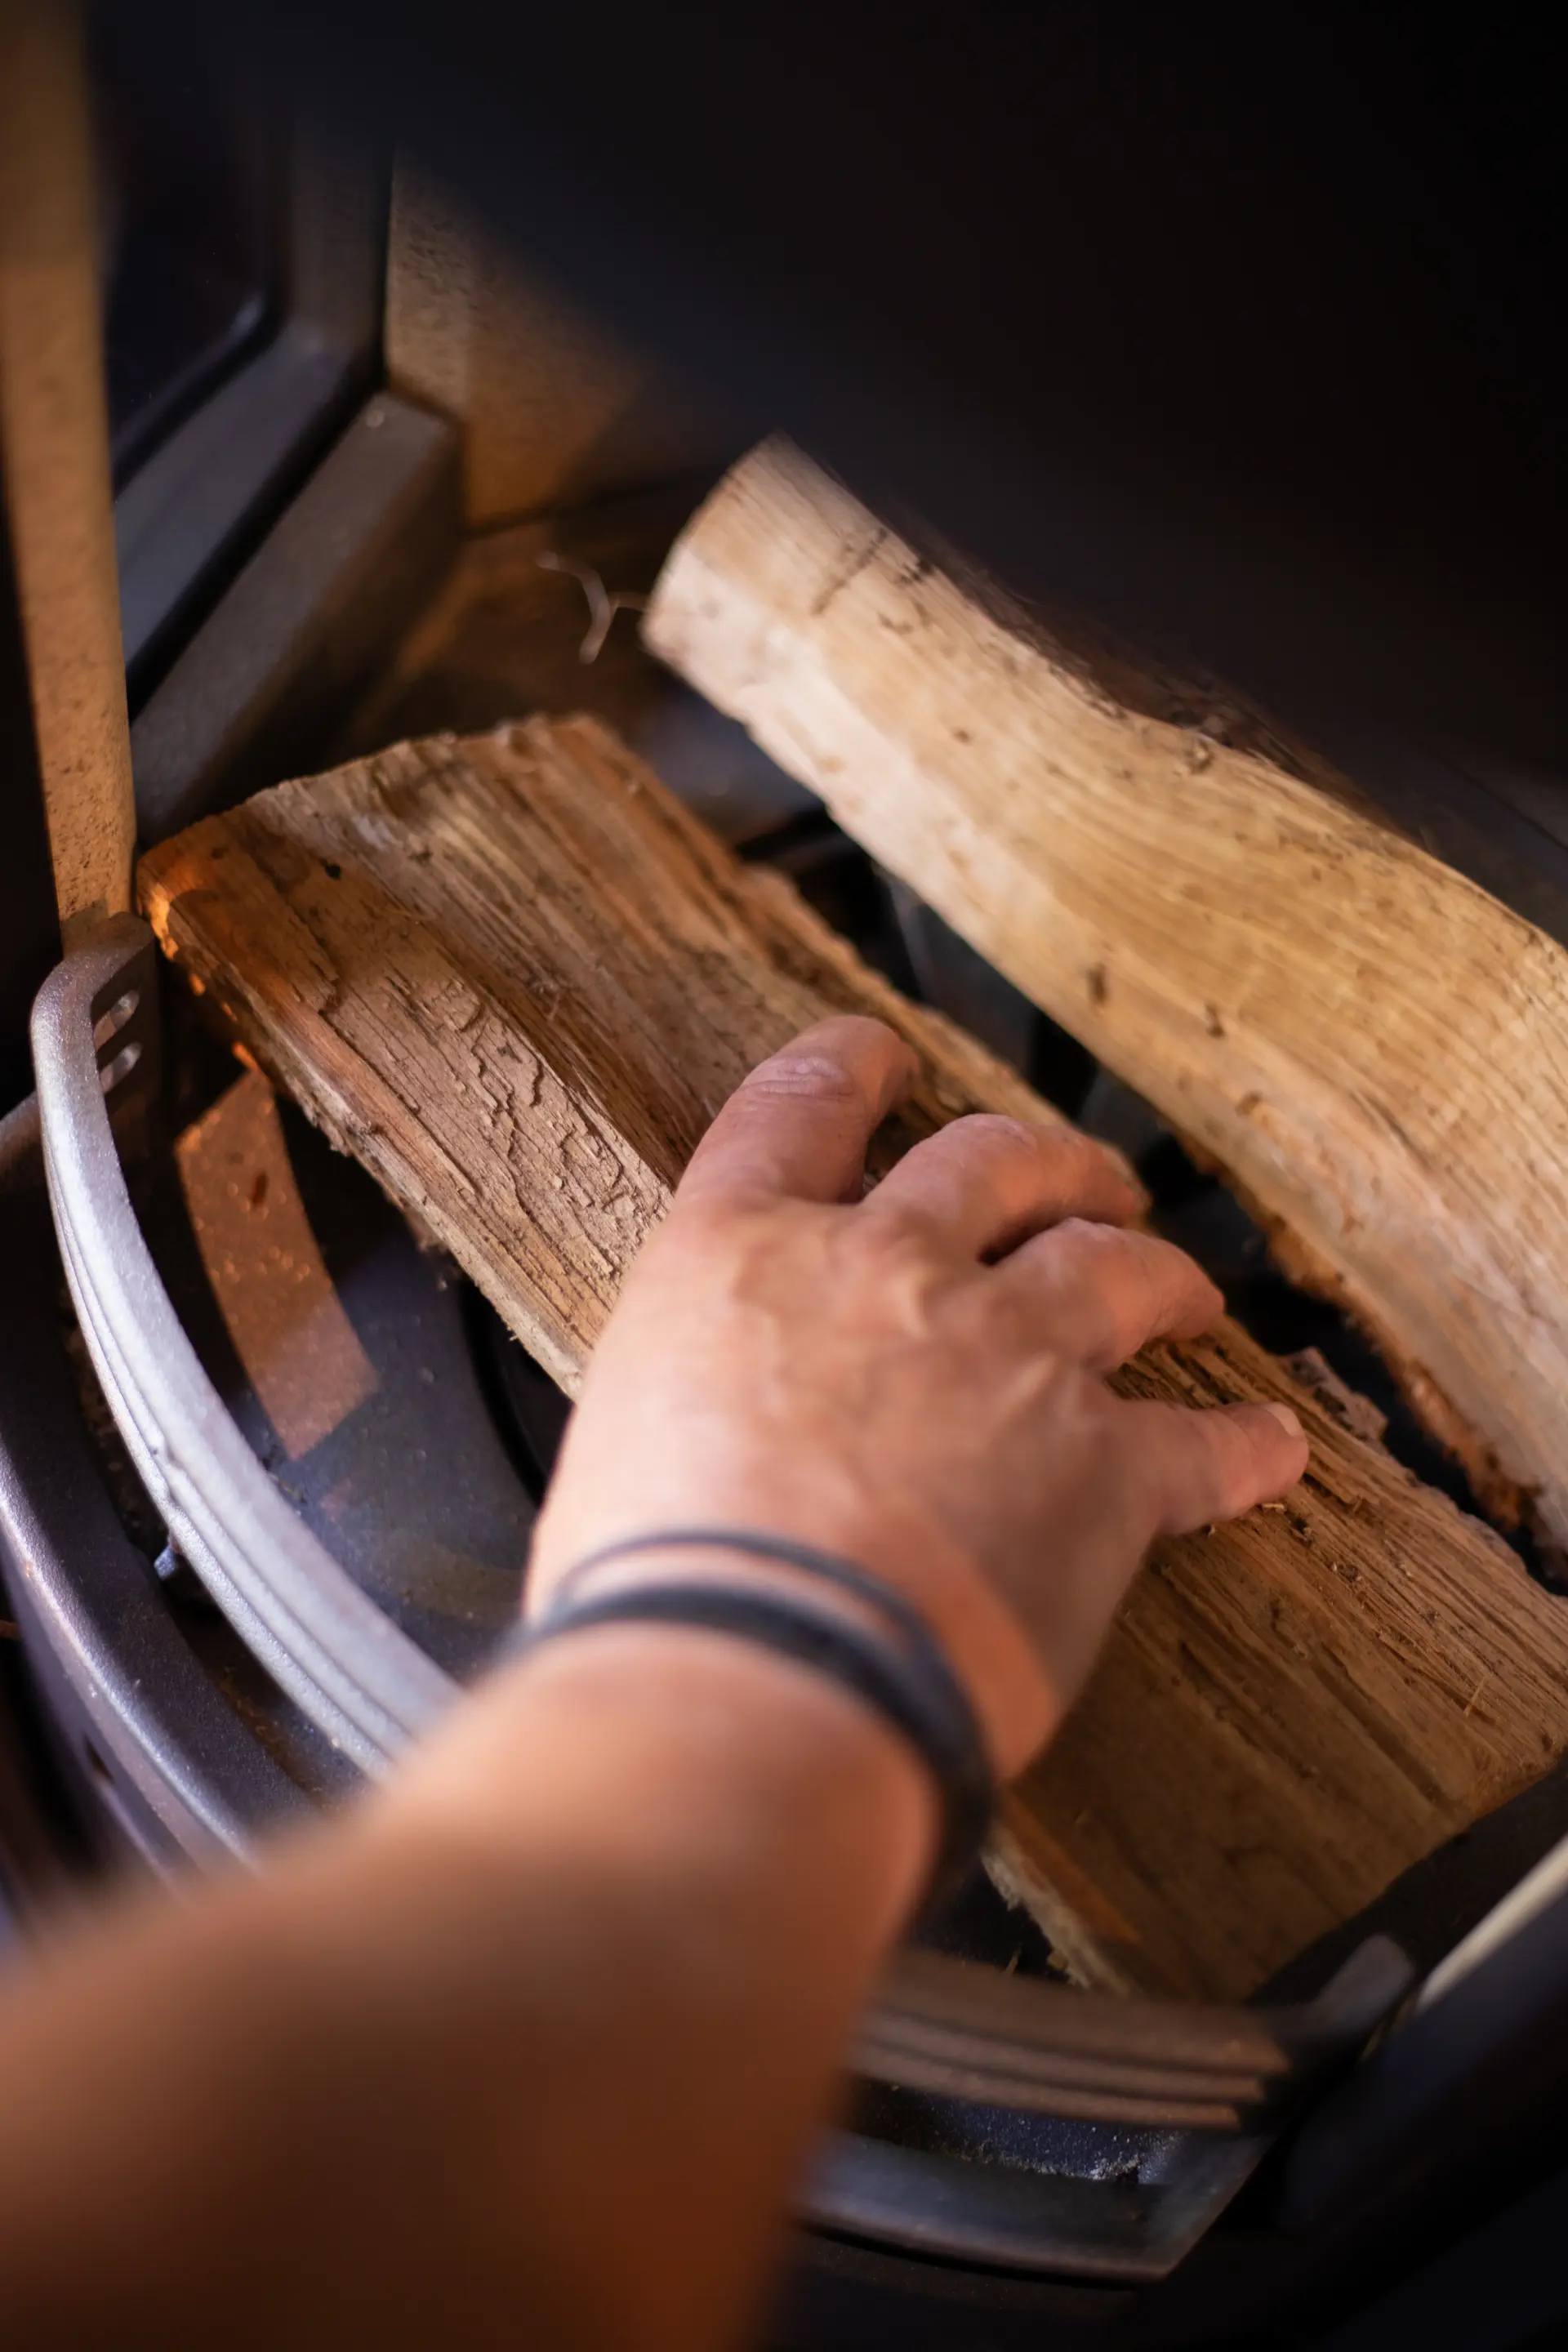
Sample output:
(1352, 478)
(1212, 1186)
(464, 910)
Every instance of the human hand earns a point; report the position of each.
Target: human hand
(915, 1380)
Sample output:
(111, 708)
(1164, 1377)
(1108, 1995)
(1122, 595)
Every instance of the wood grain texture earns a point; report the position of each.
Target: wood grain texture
(54, 458)
(515, 978)
(1374, 1050)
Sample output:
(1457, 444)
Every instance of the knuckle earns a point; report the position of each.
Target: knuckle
(987, 1135)
(1062, 1148)
(996, 1129)
(1233, 1451)
(1071, 1143)
(695, 1232)
(721, 1227)
(898, 1232)
(802, 1078)
(1084, 1237)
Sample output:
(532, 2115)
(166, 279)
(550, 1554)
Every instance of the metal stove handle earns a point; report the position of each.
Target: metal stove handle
(350, 1669)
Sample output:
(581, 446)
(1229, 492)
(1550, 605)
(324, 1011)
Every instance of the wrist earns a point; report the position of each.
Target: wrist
(900, 1580)
(683, 1752)
(846, 1625)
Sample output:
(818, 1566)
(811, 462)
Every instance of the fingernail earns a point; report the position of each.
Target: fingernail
(1286, 1418)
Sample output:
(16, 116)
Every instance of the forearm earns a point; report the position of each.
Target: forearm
(533, 2047)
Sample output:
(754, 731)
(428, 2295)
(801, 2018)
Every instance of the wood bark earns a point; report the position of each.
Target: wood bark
(515, 979)
(1374, 1050)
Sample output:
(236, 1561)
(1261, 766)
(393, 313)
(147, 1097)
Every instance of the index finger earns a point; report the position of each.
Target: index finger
(1215, 1461)
(798, 1126)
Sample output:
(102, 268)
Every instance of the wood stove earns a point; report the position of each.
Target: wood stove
(245, 1568)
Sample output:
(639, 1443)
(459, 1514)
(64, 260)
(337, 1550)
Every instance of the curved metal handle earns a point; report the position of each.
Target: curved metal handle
(353, 1672)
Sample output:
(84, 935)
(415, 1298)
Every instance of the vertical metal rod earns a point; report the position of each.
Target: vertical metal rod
(54, 458)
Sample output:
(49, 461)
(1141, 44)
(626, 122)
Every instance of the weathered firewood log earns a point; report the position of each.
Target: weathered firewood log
(1374, 1050)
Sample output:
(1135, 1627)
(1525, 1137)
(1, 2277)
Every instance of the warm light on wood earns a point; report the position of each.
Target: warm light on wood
(290, 1330)
(515, 978)
(1374, 1050)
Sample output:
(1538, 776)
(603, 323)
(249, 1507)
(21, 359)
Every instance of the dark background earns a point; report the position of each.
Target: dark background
(1237, 328)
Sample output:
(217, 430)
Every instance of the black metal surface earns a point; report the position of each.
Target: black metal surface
(43, 1841)
(195, 507)
(300, 630)
(1499, 816)
(1429, 1907)
(201, 497)
(188, 189)
(1455, 2113)
(1230, 330)
(1060, 2222)
(951, 2165)
(363, 1682)
(1140, 2065)
(414, 1492)
(845, 2296)
(1502, 2288)
(166, 1760)
(527, 1411)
